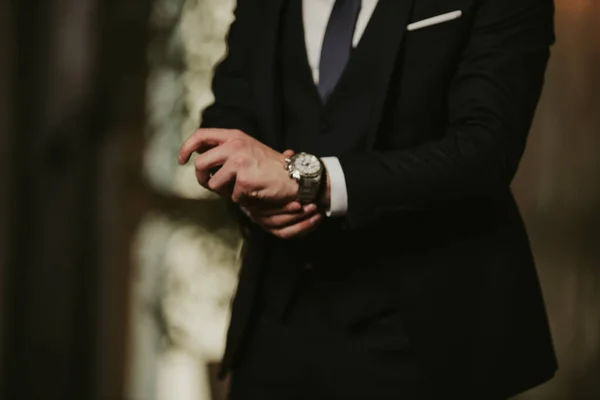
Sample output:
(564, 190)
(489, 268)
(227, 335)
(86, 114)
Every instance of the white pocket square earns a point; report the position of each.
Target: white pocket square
(434, 20)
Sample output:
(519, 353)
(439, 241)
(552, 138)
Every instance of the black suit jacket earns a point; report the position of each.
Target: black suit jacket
(444, 116)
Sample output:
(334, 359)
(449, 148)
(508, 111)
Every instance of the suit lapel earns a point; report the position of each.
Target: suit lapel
(266, 73)
(375, 58)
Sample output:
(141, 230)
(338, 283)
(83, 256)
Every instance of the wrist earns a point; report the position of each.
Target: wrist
(324, 198)
(307, 172)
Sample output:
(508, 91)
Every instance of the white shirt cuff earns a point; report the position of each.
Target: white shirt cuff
(337, 183)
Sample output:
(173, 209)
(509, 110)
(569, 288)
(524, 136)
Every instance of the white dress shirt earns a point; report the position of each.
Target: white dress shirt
(316, 16)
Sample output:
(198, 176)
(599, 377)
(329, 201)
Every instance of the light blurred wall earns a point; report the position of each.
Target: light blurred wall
(185, 264)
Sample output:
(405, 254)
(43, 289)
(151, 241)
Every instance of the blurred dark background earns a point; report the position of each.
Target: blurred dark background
(74, 191)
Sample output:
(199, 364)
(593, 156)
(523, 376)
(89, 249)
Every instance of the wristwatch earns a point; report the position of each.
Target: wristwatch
(307, 170)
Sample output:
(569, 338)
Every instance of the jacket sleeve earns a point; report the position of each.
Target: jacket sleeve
(232, 87)
(491, 103)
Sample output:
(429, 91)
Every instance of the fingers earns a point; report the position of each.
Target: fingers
(222, 181)
(240, 194)
(281, 221)
(302, 228)
(207, 161)
(206, 138)
(288, 153)
(261, 210)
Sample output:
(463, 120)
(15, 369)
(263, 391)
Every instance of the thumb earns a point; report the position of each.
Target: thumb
(288, 153)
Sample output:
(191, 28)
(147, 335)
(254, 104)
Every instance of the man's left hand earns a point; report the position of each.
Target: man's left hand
(288, 222)
(256, 171)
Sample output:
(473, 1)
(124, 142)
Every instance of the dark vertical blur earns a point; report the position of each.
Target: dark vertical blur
(5, 43)
(75, 71)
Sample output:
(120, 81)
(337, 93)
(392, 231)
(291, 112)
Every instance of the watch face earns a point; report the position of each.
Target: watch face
(307, 164)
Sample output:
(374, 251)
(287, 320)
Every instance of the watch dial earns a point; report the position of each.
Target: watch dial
(307, 164)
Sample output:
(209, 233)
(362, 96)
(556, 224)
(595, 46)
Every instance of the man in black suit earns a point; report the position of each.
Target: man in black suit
(368, 149)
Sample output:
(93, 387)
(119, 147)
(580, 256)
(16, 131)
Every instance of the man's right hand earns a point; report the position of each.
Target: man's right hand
(287, 222)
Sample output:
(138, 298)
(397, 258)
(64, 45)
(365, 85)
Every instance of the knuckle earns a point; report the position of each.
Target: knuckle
(239, 160)
(269, 224)
(241, 183)
(276, 221)
(238, 143)
(192, 140)
(286, 234)
(199, 178)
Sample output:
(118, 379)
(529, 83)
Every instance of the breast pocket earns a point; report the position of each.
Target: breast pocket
(437, 29)
(435, 20)
(430, 41)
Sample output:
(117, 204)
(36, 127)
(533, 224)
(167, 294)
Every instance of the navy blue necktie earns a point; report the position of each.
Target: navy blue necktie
(337, 45)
